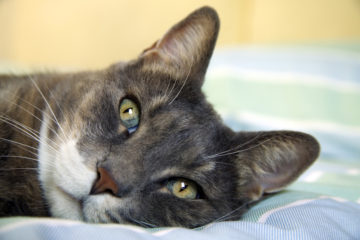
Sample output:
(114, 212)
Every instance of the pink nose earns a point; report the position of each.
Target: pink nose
(104, 183)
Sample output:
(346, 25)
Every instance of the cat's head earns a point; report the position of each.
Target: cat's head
(139, 144)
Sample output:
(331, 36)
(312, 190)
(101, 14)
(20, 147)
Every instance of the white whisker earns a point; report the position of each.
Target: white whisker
(234, 148)
(186, 79)
(172, 88)
(48, 104)
(58, 105)
(12, 169)
(33, 134)
(142, 223)
(30, 104)
(22, 128)
(33, 115)
(22, 157)
(24, 146)
(166, 90)
(229, 214)
(241, 150)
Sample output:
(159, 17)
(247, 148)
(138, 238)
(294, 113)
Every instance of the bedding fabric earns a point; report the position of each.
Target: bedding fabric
(310, 88)
(288, 215)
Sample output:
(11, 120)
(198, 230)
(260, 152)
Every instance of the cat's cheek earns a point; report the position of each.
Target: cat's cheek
(73, 175)
(56, 171)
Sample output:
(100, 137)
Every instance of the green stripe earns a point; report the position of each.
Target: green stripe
(348, 193)
(295, 101)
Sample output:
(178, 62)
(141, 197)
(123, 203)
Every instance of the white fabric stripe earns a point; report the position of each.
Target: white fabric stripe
(33, 221)
(282, 123)
(266, 215)
(353, 172)
(314, 176)
(340, 54)
(284, 78)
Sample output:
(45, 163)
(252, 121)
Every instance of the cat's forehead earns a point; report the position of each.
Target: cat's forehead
(154, 89)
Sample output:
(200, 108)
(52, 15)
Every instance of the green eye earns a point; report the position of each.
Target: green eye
(129, 114)
(183, 188)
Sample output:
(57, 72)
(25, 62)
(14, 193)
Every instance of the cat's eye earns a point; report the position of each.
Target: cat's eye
(183, 188)
(129, 114)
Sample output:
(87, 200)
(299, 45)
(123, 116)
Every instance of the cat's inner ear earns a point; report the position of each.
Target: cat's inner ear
(269, 161)
(185, 50)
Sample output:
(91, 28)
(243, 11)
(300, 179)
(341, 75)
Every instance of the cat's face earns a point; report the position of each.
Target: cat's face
(139, 144)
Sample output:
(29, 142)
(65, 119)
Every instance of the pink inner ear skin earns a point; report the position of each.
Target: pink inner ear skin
(274, 182)
(268, 183)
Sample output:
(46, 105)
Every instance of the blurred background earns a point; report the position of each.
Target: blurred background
(95, 33)
(278, 64)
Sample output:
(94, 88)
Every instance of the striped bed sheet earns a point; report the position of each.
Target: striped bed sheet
(288, 215)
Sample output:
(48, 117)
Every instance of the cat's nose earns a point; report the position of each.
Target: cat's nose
(104, 183)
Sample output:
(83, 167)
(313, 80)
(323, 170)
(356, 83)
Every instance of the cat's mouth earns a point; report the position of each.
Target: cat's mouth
(95, 208)
(102, 208)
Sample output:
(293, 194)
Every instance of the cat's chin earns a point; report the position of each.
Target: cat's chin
(102, 209)
(91, 208)
(63, 205)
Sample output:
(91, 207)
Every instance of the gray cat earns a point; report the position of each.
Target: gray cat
(137, 143)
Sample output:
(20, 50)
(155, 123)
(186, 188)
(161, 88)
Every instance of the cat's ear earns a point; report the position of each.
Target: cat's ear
(185, 50)
(269, 161)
